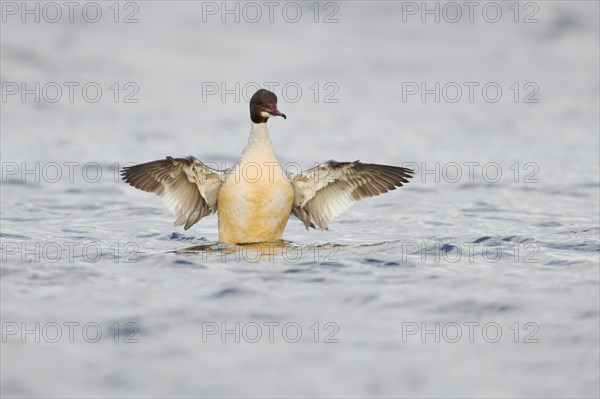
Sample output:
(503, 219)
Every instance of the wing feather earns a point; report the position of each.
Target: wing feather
(188, 187)
(328, 189)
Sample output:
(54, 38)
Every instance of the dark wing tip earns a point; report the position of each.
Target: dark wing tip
(148, 176)
(379, 179)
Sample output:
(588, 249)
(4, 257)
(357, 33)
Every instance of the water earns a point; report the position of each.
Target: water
(464, 282)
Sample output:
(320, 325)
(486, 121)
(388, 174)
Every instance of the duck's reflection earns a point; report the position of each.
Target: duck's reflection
(270, 251)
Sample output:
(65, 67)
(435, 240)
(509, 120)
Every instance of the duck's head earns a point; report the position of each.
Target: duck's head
(263, 105)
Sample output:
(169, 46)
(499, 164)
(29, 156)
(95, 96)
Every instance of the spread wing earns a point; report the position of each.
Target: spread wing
(188, 187)
(328, 189)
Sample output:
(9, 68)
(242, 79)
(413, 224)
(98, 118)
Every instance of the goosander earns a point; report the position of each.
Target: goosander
(255, 198)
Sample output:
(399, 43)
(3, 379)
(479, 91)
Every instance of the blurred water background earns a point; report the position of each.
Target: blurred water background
(480, 278)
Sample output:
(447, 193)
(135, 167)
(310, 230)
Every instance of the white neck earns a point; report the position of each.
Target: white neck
(259, 138)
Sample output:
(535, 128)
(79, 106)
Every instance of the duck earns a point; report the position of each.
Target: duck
(255, 198)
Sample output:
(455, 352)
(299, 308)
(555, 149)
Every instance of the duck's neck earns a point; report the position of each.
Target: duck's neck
(259, 139)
